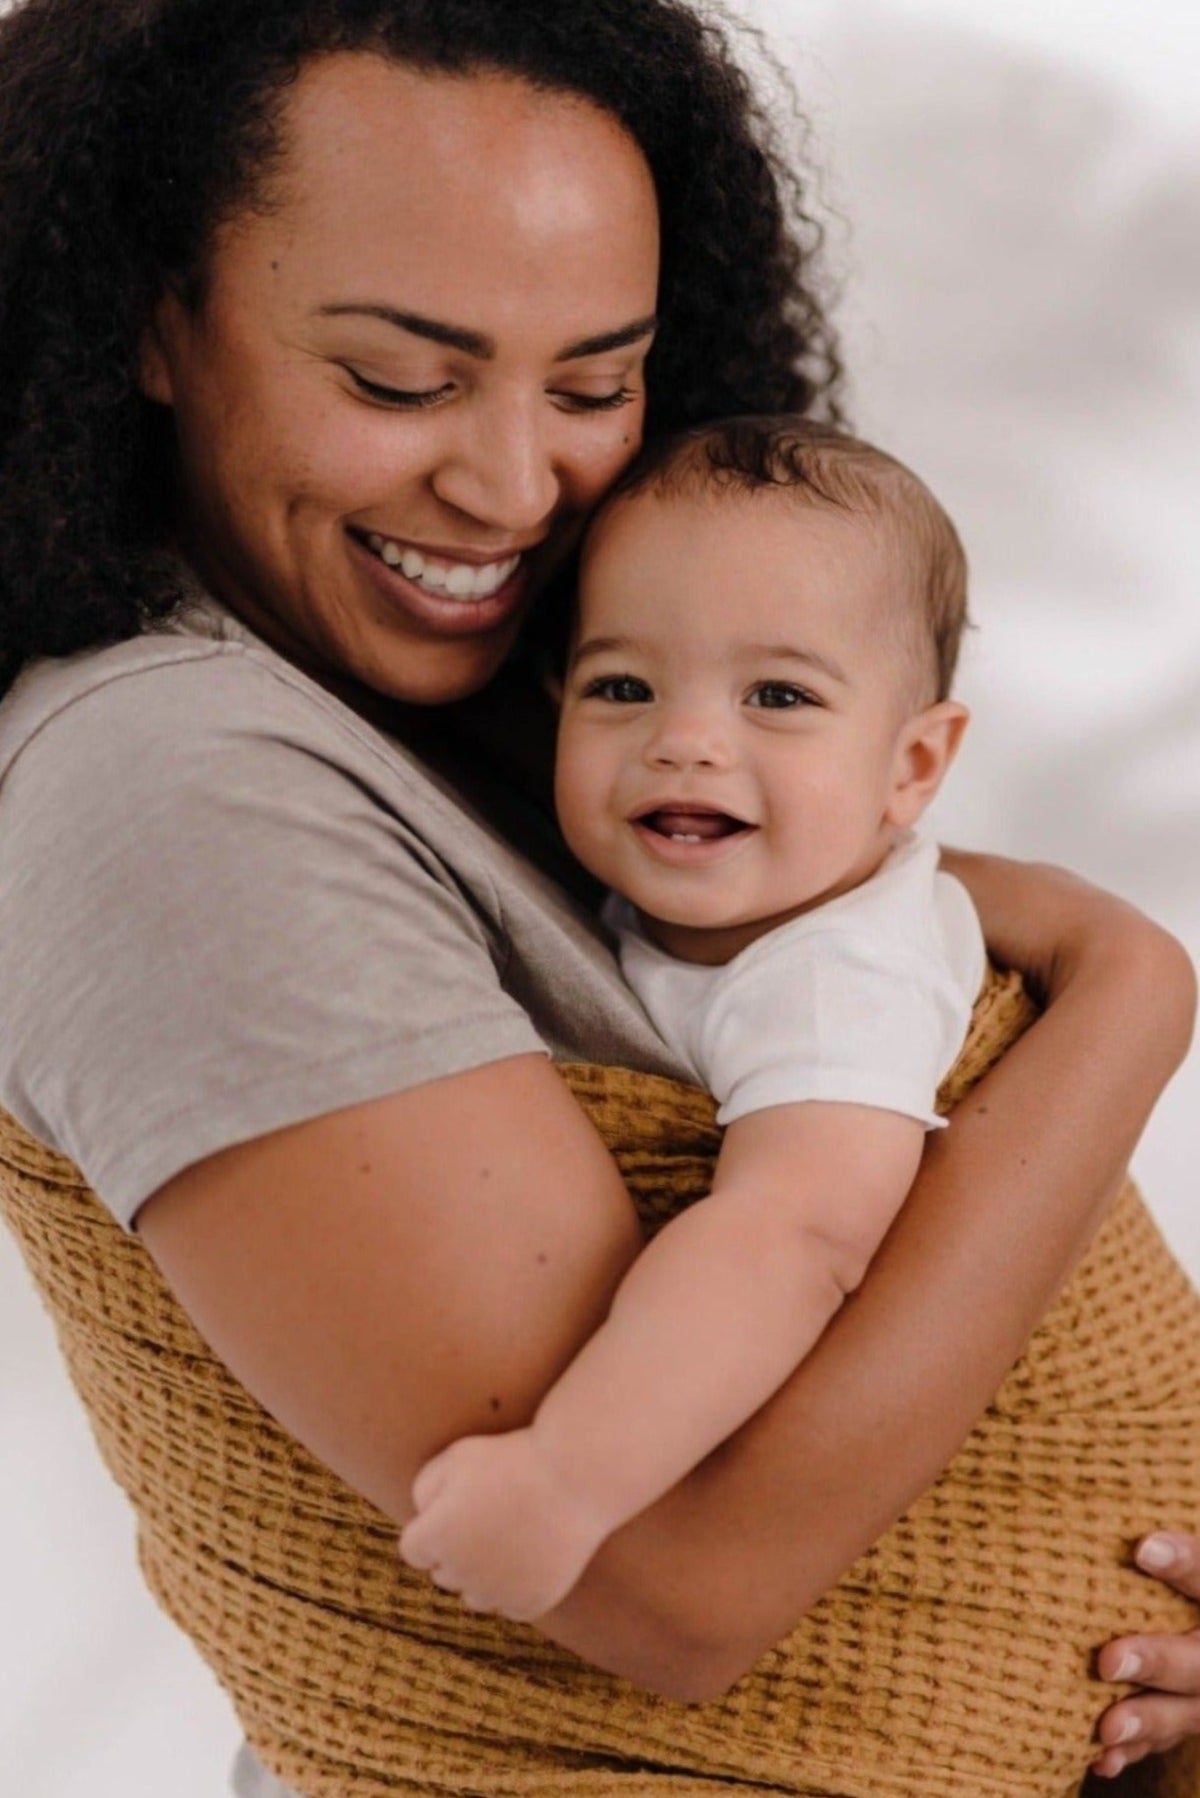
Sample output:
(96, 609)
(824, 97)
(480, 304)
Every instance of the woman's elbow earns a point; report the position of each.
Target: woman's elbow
(693, 1673)
(632, 1615)
(1167, 975)
(1183, 972)
(713, 1640)
(712, 1677)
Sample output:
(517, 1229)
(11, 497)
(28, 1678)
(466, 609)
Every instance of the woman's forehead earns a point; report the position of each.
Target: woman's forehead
(432, 189)
(361, 134)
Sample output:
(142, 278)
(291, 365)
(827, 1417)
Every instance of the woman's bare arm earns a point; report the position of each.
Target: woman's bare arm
(406, 1272)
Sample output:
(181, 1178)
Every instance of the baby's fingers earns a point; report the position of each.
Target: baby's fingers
(418, 1543)
(421, 1548)
(430, 1480)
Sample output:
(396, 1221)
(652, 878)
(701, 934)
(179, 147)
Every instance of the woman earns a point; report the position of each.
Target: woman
(324, 325)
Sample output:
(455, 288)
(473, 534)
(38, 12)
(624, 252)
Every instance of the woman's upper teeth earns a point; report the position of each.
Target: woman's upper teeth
(454, 580)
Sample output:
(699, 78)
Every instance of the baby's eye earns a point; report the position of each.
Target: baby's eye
(780, 696)
(618, 689)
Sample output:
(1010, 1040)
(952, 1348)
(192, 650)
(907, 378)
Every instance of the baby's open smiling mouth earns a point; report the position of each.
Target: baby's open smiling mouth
(691, 824)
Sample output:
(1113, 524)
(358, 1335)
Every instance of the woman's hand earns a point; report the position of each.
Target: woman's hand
(1166, 1668)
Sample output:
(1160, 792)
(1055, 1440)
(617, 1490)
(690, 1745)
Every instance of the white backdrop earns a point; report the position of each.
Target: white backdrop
(1022, 294)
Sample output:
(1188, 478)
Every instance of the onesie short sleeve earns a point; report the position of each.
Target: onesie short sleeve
(216, 920)
(840, 1020)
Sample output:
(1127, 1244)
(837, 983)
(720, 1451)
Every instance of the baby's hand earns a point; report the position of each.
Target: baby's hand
(497, 1524)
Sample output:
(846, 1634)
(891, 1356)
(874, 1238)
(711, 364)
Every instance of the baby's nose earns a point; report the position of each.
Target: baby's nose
(688, 738)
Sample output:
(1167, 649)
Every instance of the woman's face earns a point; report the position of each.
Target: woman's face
(413, 374)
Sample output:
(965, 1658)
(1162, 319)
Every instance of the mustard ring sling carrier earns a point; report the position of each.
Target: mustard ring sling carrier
(953, 1660)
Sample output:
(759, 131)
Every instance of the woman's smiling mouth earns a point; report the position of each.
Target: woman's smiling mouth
(440, 576)
(443, 597)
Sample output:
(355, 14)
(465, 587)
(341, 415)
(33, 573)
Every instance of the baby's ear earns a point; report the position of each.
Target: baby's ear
(925, 748)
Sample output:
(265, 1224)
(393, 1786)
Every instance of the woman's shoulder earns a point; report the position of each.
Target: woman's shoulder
(197, 675)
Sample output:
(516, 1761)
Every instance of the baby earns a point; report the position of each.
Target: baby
(755, 715)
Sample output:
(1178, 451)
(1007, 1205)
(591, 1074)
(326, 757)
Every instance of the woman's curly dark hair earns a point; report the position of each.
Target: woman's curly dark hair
(130, 128)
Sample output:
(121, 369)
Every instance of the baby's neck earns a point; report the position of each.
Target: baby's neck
(711, 945)
(708, 946)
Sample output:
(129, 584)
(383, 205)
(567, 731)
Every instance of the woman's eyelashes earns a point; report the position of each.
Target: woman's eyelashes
(597, 402)
(404, 399)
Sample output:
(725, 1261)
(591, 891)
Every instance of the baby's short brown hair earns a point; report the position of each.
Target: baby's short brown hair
(759, 452)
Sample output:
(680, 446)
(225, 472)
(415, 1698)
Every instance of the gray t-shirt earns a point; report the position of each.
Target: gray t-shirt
(228, 904)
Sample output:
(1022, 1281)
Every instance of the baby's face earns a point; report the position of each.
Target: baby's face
(734, 717)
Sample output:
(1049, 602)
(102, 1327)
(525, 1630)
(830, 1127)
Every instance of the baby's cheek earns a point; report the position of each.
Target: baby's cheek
(566, 779)
(579, 795)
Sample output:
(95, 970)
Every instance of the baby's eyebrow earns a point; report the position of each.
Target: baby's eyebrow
(592, 647)
(788, 652)
(603, 646)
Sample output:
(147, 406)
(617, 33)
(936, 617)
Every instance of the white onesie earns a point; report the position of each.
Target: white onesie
(866, 999)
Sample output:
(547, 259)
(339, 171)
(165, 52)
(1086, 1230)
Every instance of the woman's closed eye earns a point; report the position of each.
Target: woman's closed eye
(413, 399)
(403, 399)
(780, 696)
(618, 689)
(596, 402)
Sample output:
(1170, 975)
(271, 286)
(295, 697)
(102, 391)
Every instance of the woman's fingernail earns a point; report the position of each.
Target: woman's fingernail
(1129, 1666)
(1116, 1765)
(1130, 1727)
(1156, 1554)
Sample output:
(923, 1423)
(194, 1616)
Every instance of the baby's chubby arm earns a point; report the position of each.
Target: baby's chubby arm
(709, 1322)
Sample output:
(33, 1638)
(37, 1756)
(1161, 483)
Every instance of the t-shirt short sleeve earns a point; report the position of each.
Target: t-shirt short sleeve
(214, 923)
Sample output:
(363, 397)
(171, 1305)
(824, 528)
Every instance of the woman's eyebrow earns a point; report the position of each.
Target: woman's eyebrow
(455, 337)
(477, 343)
(619, 339)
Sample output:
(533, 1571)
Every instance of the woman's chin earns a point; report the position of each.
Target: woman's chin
(439, 674)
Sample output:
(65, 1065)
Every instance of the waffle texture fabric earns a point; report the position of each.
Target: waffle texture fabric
(953, 1660)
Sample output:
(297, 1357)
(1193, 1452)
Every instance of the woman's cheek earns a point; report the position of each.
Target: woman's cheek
(612, 457)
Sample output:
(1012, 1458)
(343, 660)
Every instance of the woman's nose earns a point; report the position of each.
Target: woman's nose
(501, 469)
